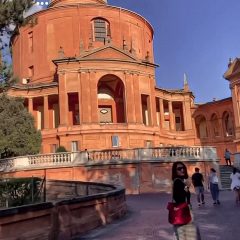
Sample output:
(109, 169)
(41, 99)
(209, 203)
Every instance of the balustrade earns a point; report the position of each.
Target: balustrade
(140, 154)
(50, 159)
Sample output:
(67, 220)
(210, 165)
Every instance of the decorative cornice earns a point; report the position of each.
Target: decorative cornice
(35, 86)
(95, 70)
(74, 59)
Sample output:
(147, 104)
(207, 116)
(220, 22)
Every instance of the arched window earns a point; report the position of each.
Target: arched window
(201, 126)
(228, 124)
(101, 29)
(215, 125)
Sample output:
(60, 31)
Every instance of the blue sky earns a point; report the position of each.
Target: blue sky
(195, 37)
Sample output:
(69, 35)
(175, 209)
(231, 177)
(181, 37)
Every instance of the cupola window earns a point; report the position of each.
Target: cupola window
(101, 29)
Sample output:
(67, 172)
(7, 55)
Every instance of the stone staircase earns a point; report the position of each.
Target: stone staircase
(225, 172)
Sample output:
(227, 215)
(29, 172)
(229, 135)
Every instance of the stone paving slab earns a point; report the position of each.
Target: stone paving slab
(147, 219)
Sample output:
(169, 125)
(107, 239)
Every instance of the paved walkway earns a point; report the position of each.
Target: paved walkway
(147, 219)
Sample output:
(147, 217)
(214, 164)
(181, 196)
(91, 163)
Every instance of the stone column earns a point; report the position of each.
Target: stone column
(30, 105)
(152, 103)
(63, 100)
(149, 109)
(46, 112)
(30, 110)
(162, 117)
(171, 116)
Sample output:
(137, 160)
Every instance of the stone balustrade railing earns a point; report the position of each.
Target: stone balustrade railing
(155, 153)
(84, 157)
(49, 159)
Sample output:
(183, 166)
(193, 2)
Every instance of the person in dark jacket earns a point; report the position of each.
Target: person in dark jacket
(182, 194)
(197, 181)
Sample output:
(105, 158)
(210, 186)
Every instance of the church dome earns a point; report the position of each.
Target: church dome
(62, 2)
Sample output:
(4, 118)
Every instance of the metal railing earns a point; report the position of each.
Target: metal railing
(21, 191)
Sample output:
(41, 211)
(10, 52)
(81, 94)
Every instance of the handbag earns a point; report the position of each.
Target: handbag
(179, 214)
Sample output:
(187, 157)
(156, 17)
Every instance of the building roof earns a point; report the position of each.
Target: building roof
(180, 90)
(214, 102)
(61, 2)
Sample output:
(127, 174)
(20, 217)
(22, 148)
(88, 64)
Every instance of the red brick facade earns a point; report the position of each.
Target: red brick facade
(87, 74)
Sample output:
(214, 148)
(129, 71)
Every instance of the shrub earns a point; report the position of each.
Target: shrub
(61, 149)
(21, 191)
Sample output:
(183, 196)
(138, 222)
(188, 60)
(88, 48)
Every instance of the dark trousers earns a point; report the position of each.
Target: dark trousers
(214, 191)
(228, 161)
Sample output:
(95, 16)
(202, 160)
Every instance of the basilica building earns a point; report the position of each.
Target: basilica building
(87, 74)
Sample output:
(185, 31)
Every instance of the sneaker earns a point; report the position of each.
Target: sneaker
(199, 204)
(203, 203)
(214, 203)
(218, 202)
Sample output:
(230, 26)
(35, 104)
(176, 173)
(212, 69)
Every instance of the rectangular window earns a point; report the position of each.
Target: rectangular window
(115, 141)
(148, 144)
(31, 71)
(54, 148)
(30, 42)
(74, 146)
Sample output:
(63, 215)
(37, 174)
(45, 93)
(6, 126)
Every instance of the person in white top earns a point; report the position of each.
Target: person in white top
(213, 185)
(235, 185)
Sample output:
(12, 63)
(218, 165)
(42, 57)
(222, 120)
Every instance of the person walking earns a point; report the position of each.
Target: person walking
(181, 194)
(197, 181)
(227, 156)
(213, 185)
(235, 184)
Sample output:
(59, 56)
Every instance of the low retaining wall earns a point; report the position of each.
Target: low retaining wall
(135, 176)
(64, 218)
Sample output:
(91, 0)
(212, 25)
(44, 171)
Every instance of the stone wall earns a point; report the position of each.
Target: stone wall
(135, 176)
(63, 219)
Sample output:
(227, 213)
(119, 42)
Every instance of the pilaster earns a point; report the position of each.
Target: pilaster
(94, 97)
(85, 97)
(130, 104)
(63, 100)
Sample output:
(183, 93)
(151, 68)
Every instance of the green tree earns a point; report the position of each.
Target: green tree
(11, 19)
(18, 135)
(12, 15)
(61, 149)
(7, 78)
